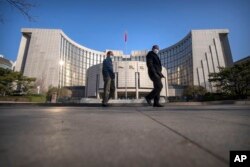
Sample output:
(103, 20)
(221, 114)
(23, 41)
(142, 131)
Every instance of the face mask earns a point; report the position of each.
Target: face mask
(156, 51)
(112, 57)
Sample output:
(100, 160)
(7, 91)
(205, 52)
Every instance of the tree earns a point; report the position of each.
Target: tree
(11, 81)
(62, 93)
(233, 80)
(26, 84)
(50, 92)
(23, 6)
(194, 92)
(7, 77)
(41, 83)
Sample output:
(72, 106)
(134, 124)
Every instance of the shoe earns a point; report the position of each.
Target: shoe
(104, 105)
(148, 101)
(158, 105)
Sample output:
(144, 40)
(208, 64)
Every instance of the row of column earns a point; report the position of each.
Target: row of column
(116, 91)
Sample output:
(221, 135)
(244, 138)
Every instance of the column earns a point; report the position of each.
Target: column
(116, 79)
(136, 85)
(97, 86)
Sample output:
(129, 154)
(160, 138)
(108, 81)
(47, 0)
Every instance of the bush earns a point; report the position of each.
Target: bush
(11, 81)
(176, 99)
(194, 93)
(218, 96)
(37, 98)
(63, 94)
(233, 80)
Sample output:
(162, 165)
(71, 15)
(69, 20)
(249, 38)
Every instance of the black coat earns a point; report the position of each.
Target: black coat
(154, 66)
(107, 68)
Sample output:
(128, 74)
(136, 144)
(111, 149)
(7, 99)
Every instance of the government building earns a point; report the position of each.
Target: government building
(5, 63)
(131, 80)
(56, 60)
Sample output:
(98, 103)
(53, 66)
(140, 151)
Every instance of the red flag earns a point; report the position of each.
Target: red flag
(125, 36)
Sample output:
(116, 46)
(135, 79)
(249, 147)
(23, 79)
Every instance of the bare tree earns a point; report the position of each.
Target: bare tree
(23, 6)
(41, 83)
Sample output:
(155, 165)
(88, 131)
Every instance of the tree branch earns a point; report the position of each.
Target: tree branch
(24, 7)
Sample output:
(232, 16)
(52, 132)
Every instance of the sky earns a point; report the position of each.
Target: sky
(101, 24)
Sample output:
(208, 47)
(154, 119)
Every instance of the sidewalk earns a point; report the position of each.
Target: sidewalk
(172, 136)
(125, 103)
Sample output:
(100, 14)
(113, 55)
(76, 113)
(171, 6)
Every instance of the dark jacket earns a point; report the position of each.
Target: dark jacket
(107, 68)
(154, 66)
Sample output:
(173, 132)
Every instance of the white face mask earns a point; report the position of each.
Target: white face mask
(111, 57)
(156, 51)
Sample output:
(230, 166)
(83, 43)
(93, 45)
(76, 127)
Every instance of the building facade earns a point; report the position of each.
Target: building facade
(199, 53)
(56, 60)
(243, 60)
(5, 63)
(131, 77)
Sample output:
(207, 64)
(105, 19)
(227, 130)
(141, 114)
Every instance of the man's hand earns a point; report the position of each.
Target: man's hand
(162, 76)
(113, 76)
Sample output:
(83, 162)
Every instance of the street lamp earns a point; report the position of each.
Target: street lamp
(61, 63)
(38, 89)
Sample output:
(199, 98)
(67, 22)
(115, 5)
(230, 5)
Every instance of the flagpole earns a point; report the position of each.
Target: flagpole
(126, 94)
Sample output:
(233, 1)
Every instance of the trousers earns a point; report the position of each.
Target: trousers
(109, 89)
(155, 93)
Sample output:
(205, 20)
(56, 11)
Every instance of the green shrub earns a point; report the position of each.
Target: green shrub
(37, 98)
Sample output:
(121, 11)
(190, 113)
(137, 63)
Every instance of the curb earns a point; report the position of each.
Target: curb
(73, 104)
(233, 102)
(246, 102)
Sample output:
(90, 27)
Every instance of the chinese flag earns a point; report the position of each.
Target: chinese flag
(125, 36)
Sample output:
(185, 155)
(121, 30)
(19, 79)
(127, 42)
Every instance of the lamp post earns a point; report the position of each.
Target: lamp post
(126, 64)
(38, 89)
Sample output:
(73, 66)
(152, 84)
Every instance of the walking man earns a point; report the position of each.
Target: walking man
(109, 78)
(154, 72)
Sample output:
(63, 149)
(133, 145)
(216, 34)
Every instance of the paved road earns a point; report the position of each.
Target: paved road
(172, 136)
